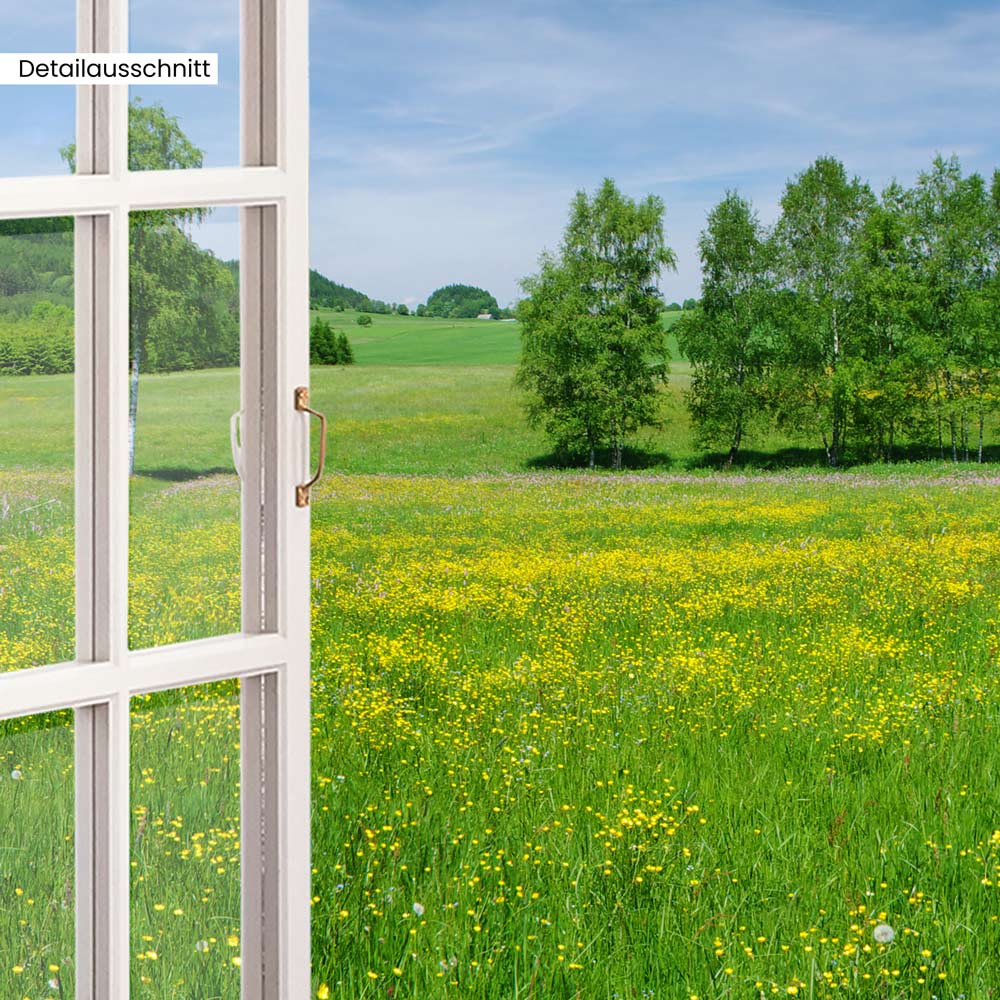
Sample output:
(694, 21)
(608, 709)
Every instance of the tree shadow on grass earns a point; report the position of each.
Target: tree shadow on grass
(921, 453)
(177, 474)
(632, 459)
(815, 458)
(748, 458)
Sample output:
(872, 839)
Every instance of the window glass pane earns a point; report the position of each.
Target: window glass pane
(38, 120)
(37, 857)
(184, 384)
(201, 123)
(36, 442)
(186, 843)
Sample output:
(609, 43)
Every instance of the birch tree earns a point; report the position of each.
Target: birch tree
(729, 338)
(594, 353)
(822, 212)
(155, 142)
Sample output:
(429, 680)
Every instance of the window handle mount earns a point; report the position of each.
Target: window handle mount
(235, 423)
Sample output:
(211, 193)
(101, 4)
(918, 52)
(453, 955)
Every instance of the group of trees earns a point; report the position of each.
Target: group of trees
(460, 302)
(36, 296)
(593, 353)
(328, 346)
(327, 294)
(184, 305)
(864, 322)
(184, 301)
(448, 302)
(40, 343)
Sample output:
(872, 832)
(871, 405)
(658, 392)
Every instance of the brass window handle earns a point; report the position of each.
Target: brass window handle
(302, 405)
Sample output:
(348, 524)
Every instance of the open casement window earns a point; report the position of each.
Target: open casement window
(127, 712)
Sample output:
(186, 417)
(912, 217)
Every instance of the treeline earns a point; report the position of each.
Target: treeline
(36, 264)
(327, 294)
(36, 296)
(184, 298)
(40, 343)
(868, 323)
(447, 302)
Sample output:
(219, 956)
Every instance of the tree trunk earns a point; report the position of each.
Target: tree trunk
(735, 446)
(133, 405)
(616, 446)
(951, 416)
(836, 338)
(831, 458)
(940, 425)
(837, 430)
(982, 418)
(137, 323)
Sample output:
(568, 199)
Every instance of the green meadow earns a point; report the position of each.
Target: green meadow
(418, 340)
(668, 733)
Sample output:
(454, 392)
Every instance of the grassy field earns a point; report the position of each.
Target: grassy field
(418, 340)
(660, 734)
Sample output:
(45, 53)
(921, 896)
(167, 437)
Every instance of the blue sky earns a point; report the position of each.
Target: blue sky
(449, 137)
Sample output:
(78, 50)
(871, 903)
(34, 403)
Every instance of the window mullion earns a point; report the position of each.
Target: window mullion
(95, 906)
(290, 126)
(93, 601)
(265, 976)
(115, 800)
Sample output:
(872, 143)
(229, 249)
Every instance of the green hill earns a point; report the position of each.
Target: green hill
(327, 294)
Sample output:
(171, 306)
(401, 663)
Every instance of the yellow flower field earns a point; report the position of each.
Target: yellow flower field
(628, 737)
(578, 736)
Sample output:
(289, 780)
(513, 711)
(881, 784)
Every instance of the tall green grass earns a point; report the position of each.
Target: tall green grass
(523, 679)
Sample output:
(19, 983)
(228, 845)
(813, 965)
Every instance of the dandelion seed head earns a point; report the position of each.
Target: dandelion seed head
(883, 934)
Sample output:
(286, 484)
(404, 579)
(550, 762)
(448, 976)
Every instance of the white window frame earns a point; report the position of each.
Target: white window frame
(271, 654)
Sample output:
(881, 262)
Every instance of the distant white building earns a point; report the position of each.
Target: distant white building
(484, 316)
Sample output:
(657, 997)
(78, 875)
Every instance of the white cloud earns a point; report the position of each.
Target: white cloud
(449, 137)
(462, 153)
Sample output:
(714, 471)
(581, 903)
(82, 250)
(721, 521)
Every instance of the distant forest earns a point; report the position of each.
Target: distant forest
(190, 296)
(190, 299)
(447, 302)
(36, 296)
(327, 294)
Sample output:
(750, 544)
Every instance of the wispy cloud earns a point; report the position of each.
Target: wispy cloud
(482, 111)
(448, 137)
